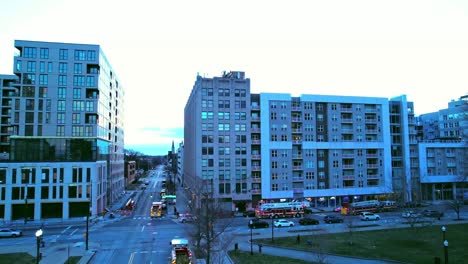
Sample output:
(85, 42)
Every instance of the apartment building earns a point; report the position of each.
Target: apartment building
(253, 148)
(443, 151)
(62, 132)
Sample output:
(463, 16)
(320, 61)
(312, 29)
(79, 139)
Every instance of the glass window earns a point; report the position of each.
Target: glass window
(62, 92)
(78, 68)
(76, 93)
(62, 80)
(63, 54)
(43, 79)
(44, 53)
(63, 67)
(60, 118)
(61, 105)
(31, 66)
(91, 55)
(30, 53)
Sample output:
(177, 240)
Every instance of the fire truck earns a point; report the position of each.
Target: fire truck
(281, 210)
(364, 206)
(181, 254)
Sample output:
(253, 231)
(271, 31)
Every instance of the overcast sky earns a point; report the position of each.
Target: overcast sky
(357, 48)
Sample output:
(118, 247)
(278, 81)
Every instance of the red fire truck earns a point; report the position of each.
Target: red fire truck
(281, 210)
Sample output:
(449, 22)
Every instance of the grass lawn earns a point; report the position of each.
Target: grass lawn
(17, 258)
(242, 257)
(25, 258)
(410, 245)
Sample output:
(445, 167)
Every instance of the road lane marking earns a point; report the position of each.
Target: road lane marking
(130, 260)
(65, 230)
(142, 228)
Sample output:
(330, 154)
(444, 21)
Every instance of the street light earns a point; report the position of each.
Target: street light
(446, 251)
(38, 241)
(87, 225)
(443, 233)
(251, 241)
(272, 232)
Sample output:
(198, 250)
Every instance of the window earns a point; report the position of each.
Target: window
(80, 55)
(78, 105)
(90, 81)
(91, 55)
(79, 80)
(76, 118)
(78, 68)
(76, 93)
(31, 66)
(274, 187)
(43, 79)
(62, 92)
(44, 53)
(60, 118)
(61, 106)
(30, 53)
(63, 66)
(63, 54)
(62, 80)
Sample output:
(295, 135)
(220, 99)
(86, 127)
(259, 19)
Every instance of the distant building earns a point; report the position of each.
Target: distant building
(130, 172)
(443, 152)
(62, 132)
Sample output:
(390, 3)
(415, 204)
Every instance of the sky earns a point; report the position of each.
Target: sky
(342, 47)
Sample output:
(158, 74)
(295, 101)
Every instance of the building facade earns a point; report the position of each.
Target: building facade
(63, 132)
(253, 148)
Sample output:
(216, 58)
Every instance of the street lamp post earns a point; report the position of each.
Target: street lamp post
(251, 241)
(446, 251)
(272, 232)
(443, 233)
(87, 225)
(38, 241)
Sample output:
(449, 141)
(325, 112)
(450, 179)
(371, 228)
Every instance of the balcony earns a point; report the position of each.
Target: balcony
(256, 141)
(372, 166)
(346, 120)
(256, 156)
(297, 167)
(375, 176)
(297, 141)
(295, 108)
(348, 166)
(348, 177)
(297, 156)
(256, 179)
(298, 179)
(297, 130)
(256, 168)
(255, 129)
(296, 119)
(255, 118)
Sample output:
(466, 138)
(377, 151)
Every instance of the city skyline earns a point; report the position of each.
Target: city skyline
(363, 48)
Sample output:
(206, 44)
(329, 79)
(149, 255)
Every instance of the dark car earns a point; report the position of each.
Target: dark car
(256, 223)
(331, 219)
(432, 213)
(249, 213)
(308, 221)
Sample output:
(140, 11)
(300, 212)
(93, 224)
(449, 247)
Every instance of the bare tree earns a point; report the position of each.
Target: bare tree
(210, 225)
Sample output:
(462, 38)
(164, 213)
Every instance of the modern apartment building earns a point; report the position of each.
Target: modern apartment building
(62, 132)
(251, 148)
(443, 152)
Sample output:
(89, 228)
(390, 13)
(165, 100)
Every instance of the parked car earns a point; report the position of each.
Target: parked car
(432, 213)
(187, 218)
(10, 232)
(331, 219)
(308, 210)
(283, 222)
(308, 221)
(257, 223)
(249, 213)
(410, 214)
(367, 216)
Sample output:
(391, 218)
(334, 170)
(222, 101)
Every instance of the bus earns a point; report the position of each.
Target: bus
(156, 209)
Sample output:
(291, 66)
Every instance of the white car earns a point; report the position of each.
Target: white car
(8, 232)
(283, 222)
(367, 216)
